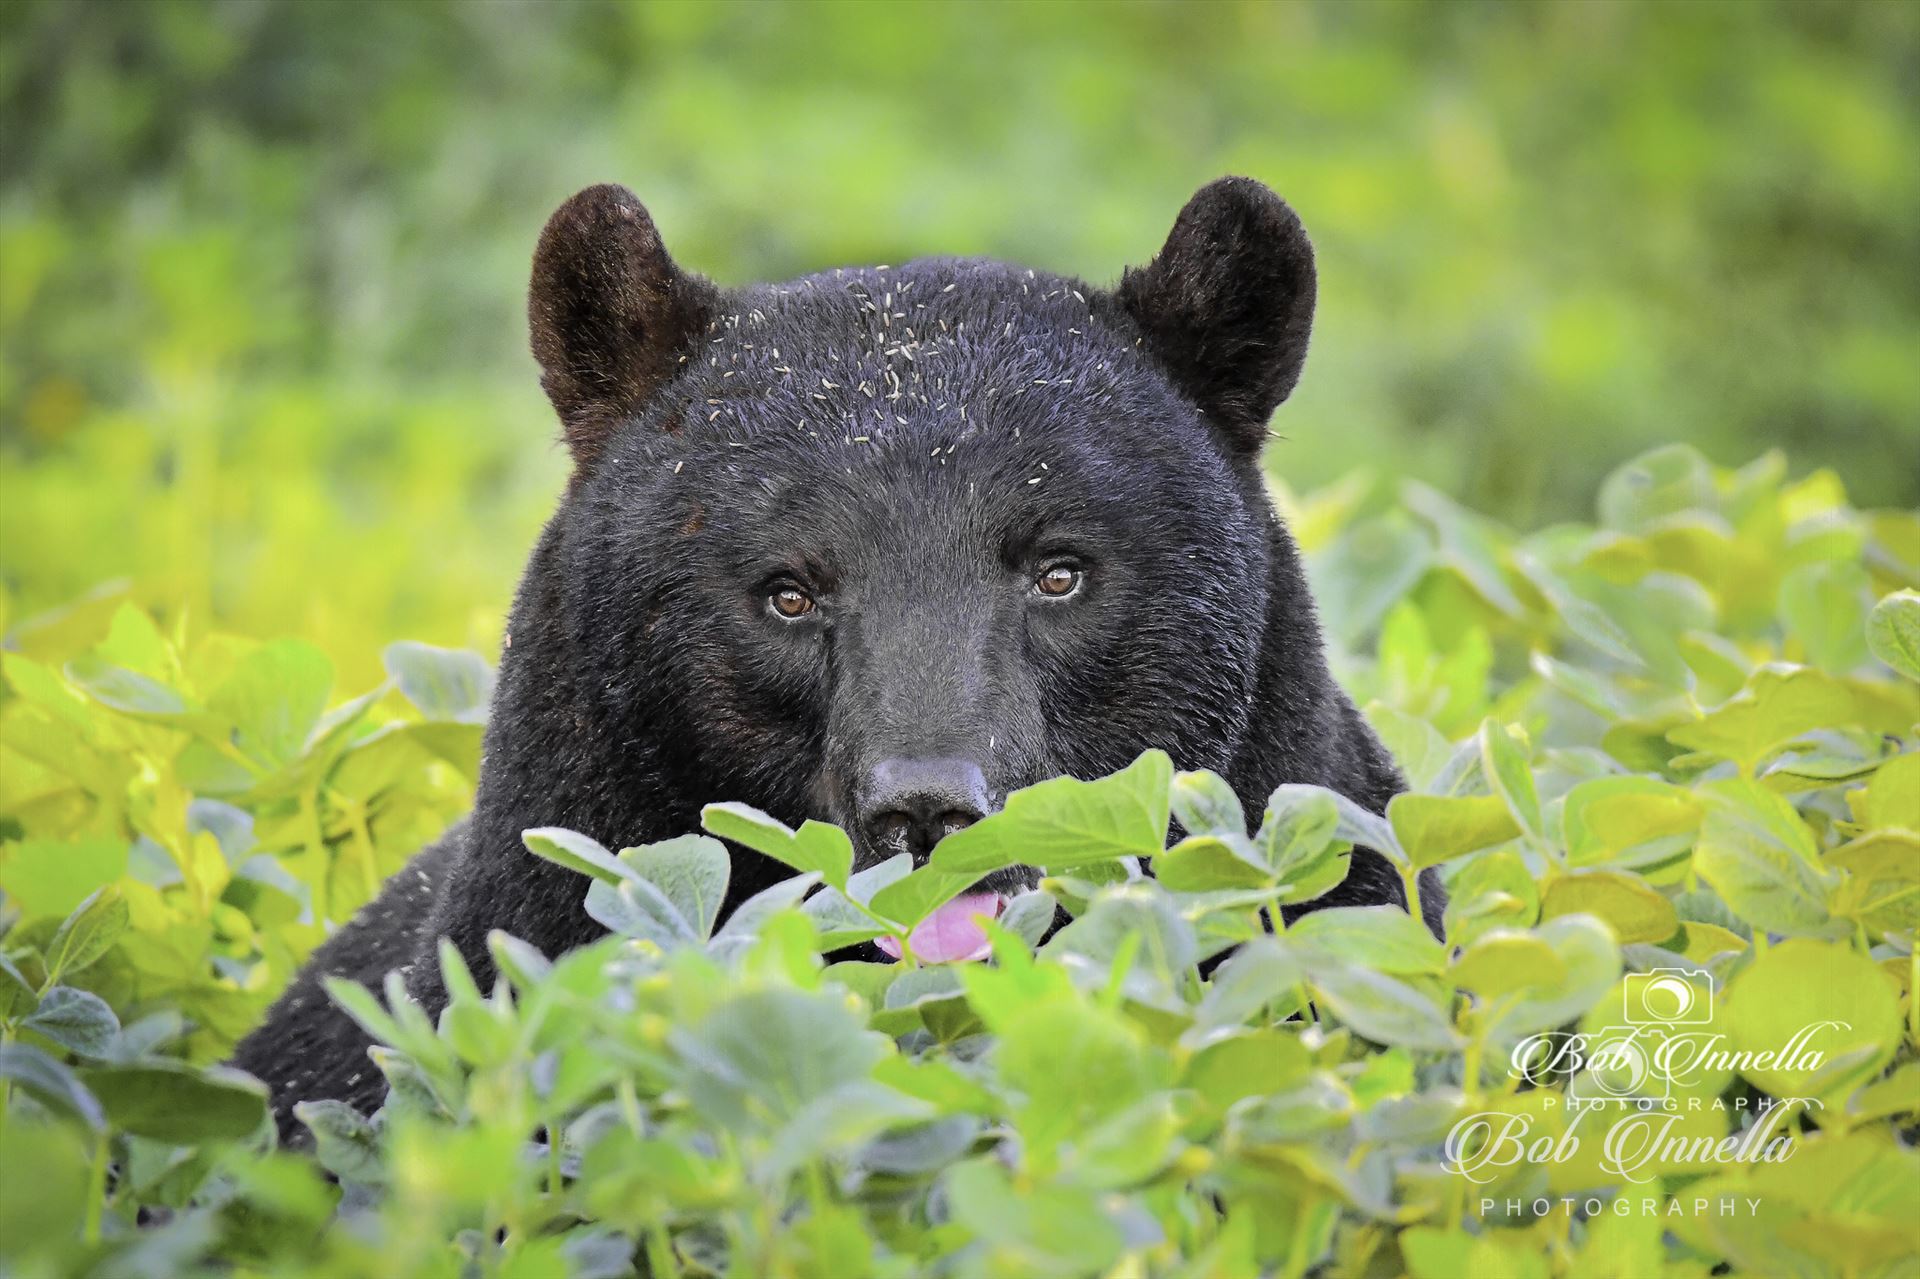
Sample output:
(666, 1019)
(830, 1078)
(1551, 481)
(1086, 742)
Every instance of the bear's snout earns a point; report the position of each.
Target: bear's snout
(909, 805)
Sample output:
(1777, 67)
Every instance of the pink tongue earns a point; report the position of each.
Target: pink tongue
(952, 934)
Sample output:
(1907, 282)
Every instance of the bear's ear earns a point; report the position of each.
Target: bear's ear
(1227, 304)
(610, 314)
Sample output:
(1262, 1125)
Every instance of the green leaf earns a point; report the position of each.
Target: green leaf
(763, 1055)
(44, 877)
(1416, 745)
(691, 872)
(17, 997)
(1893, 797)
(1370, 566)
(1299, 829)
(1029, 916)
(1046, 1231)
(444, 683)
(78, 1020)
(1438, 828)
(1778, 704)
(1369, 829)
(1246, 1063)
(1206, 805)
(835, 1122)
(1200, 863)
(174, 1102)
(1759, 856)
(87, 934)
(1494, 890)
(1140, 921)
(1893, 632)
(752, 914)
(936, 1080)
(1824, 606)
(1318, 878)
(523, 964)
(273, 699)
(1635, 911)
(50, 1083)
(1469, 544)
(1073, 1064)
(635, 908)
(1382, 1008)
(815, 848)
(364, 1007)
(1671, 480)
(932, 997)
(1608, 816)
(1704, 941)
(1383, 938)
(1258, 973)
(1318, 1105)
(841, 922)
(127, 691)
(1507, 772)
(1590, 958)
(1066, 823)
(1882, 887)
(1897, 1094)
(1439, 1254)
(912, 898)
(343, 1141)
(1504, 961)
(1826, 999)
(1129, 1147)
(576, 852)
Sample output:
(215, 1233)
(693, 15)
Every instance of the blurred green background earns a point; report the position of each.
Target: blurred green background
(262, 264)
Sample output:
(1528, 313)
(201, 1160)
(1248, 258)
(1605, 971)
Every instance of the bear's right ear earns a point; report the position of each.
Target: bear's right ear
(610, 314)
(1227, 304)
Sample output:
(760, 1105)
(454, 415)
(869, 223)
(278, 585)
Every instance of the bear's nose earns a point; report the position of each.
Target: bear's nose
(911, 804)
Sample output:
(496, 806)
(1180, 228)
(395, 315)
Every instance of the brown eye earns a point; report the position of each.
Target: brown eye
(790, 602)
(1058, 581)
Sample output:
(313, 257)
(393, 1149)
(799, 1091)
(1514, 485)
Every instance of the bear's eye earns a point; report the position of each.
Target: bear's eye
(790, 602)
(1058, 582)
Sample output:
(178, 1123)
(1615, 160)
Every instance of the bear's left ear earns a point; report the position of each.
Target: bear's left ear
(610, 314)
(1227, 304)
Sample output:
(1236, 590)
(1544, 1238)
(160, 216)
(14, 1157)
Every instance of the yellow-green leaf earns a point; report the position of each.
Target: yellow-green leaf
(1778, 704)
(1635, 911)
(1882, 885)
(1609, 815)
(1804, 1004)
(1759, 856)
(1704, 941)
(1507, 772)
(1200, 863)
(1504, 961)
(1893, 632)
(1437, 828)
(1383, 938)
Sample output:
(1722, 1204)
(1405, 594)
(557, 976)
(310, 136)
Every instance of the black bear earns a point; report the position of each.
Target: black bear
(875, 546)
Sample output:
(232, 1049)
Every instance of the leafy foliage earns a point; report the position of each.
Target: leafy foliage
(262, 333)
(1681, 745)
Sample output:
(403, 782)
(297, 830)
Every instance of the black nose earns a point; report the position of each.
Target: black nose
(910, 804)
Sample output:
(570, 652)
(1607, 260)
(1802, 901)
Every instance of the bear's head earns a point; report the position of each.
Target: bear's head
(879, 545)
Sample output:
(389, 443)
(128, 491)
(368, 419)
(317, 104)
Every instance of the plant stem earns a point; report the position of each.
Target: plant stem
(661, 1263)
(96, 1188)
(1410, 876)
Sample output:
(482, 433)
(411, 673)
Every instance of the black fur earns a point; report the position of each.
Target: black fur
(911, 446)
